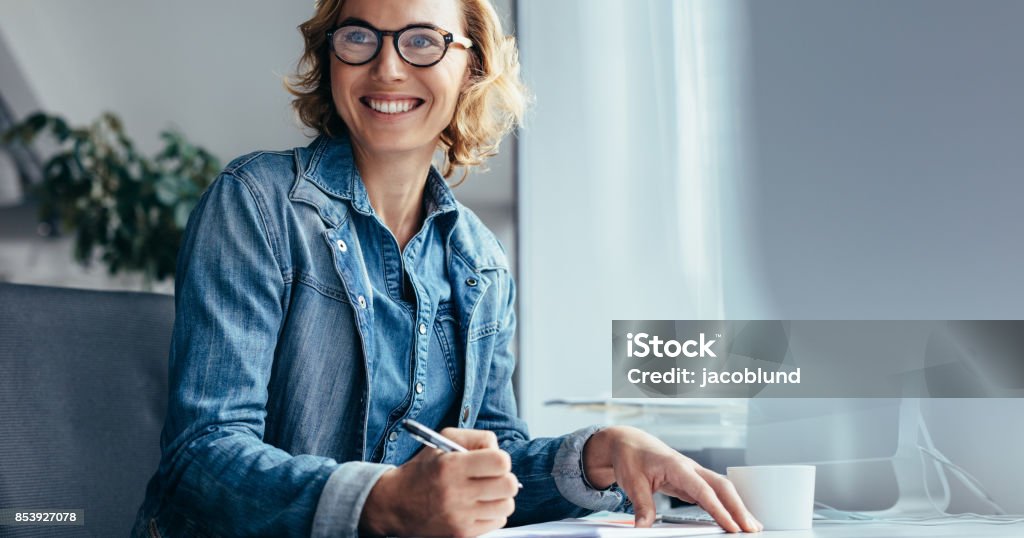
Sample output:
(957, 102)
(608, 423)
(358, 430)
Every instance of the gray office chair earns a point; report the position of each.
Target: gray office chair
(83, 392)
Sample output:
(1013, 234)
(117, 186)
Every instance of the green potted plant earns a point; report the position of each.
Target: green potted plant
(130, 207)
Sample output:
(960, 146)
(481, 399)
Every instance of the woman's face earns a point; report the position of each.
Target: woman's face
(388, 82)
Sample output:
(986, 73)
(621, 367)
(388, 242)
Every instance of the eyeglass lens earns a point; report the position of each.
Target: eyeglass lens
(418, 46)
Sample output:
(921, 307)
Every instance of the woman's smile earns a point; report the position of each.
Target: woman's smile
(391, 107)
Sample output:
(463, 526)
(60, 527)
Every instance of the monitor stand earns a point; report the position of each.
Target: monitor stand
(911, 467)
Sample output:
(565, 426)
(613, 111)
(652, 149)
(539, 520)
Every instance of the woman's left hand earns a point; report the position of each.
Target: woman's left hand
(643, 465)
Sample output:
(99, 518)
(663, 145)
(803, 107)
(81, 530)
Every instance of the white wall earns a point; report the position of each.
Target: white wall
(888, 144)
(212, 69)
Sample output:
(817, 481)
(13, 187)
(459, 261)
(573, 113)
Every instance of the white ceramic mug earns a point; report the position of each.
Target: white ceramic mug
(781, 497)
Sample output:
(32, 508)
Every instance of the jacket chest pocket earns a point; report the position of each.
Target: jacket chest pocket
(446, 344)
(490, 310)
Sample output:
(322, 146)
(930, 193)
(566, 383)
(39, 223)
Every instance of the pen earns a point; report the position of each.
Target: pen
(433, 439)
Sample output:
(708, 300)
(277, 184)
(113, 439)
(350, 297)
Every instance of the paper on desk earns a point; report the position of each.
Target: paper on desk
(604, 525)
(709, 403)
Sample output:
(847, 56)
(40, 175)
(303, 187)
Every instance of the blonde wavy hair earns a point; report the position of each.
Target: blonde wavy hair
(490, 106)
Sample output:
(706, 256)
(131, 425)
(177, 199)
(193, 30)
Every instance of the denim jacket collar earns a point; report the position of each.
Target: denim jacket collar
(326, 173)
(332, 168)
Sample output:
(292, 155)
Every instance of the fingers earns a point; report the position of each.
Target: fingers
(642, 465)
(730, 500)
(641, 494)
(465, 506)
(452, 494)
(473, 527)
(491, 515)
(691, 486)
(704, 495)
(482, 463)
(493, 489)
(471, 439)
(481, 526)
(496, 509)
(493, 505)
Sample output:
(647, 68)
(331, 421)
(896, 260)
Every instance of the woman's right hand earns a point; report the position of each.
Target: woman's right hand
(445, 494)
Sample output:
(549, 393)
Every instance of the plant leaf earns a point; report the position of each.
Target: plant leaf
(181, 213)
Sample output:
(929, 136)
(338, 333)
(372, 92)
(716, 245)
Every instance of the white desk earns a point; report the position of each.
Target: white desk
(820, 530)
(892, 530)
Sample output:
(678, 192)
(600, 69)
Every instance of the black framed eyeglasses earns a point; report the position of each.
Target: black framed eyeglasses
(420, 45)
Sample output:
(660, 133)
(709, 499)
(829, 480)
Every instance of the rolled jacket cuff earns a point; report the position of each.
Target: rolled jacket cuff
(343, 497)
(571, 481)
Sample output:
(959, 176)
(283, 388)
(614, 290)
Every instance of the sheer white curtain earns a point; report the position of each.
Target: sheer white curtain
(626, 167)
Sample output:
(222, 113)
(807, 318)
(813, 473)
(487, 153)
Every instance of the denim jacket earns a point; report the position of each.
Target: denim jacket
(272, 379)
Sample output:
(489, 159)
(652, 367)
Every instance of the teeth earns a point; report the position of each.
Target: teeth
(392, 106)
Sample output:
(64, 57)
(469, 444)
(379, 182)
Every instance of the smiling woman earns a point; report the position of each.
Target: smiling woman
(491, 100)
(328, 293)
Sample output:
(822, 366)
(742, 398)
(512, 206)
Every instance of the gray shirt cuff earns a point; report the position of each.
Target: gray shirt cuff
(569, 477)
(341, 502)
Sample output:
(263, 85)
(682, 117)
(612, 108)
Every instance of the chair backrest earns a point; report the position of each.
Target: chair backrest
(83, 393)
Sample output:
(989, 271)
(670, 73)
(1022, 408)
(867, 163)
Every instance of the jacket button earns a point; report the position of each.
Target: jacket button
(423, 328)
(419, 388)
(393, 437)
(362, 302)
(465, 414)
(342, 246)
(471, 282)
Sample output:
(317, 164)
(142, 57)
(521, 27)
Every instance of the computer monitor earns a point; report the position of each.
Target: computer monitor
(880, 454)
(867, 451)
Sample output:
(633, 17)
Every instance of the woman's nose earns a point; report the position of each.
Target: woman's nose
(388, 66)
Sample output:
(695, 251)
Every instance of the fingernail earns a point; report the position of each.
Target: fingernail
(753, 523)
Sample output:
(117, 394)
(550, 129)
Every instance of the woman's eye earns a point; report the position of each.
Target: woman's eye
(356, 38)
(422, 42)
